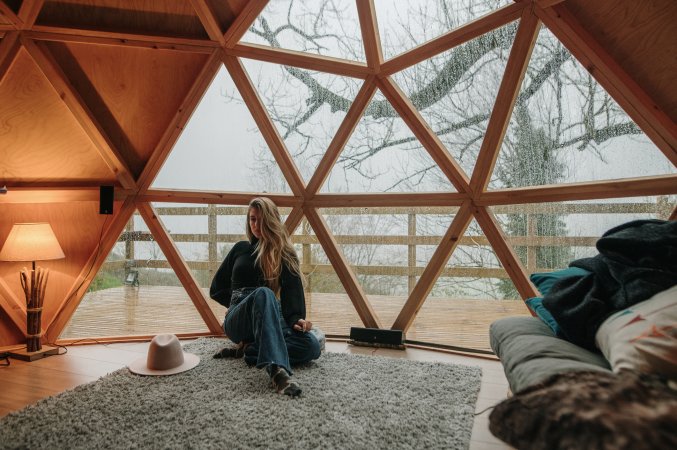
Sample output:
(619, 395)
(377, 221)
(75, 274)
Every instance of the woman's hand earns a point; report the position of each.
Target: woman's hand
(303, 325)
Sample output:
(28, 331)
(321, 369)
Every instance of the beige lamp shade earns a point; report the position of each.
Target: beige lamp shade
(31, 242)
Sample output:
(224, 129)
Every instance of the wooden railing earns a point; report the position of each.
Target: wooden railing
(531, 241)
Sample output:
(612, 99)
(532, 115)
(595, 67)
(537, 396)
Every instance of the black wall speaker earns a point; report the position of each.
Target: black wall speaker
(377, 336)
(106, 194)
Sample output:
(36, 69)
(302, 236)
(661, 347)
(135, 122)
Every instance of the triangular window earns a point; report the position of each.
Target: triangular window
(221, 148)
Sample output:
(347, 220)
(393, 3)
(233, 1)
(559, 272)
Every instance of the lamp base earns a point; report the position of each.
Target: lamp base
(24, 355)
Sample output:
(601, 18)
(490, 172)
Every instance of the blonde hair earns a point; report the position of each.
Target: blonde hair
(274, 247)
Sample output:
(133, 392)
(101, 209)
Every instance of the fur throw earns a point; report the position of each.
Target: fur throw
(590, 410)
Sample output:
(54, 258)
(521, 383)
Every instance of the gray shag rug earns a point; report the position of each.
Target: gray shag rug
(348, 401)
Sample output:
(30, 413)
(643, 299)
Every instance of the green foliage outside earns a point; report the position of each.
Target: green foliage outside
(105, 280)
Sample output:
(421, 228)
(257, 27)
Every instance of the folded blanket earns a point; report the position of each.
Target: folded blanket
(636, 260)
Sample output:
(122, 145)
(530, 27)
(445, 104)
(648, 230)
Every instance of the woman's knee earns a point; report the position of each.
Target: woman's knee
(316, 347)
(263, 296)
(312, 346)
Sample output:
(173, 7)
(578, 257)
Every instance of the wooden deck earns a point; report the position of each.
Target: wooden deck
(148, 310)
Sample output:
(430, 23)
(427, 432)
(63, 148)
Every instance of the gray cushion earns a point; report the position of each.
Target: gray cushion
(530, 352)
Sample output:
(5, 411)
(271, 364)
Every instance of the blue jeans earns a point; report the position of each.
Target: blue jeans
(255, 317)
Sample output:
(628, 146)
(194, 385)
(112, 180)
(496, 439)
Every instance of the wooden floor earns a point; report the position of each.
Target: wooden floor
(24, 383)
(149, 310)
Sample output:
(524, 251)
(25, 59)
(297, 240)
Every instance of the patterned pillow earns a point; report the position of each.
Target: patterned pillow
(643, 337)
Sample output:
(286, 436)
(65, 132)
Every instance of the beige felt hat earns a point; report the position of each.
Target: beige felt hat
(165, 357)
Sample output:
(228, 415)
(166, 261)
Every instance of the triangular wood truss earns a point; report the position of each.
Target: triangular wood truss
(225, 49)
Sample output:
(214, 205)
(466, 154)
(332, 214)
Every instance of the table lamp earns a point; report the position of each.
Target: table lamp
(32, 242)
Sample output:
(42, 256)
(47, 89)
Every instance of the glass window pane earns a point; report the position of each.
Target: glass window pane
(329, 28)
(382, 247)
(548, 236)
(327, 304)
(565, 128)
(472, 291)
(455, 91)
(306, 107)
(136, 292)
(221, 148)
(383, 155)
(404, 25)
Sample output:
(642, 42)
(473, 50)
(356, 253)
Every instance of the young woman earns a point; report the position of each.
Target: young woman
(271, 333)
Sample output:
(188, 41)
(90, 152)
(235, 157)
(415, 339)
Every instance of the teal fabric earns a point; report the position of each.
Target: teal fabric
(536, 305)
(545, 280)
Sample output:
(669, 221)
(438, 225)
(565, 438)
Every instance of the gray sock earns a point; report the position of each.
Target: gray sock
(282, 381)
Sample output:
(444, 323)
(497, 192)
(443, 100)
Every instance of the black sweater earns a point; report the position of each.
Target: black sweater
(239, 270)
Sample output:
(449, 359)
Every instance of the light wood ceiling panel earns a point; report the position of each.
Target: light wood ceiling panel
(133, 92)
(158, 17)
(40, 141)
(641, 37)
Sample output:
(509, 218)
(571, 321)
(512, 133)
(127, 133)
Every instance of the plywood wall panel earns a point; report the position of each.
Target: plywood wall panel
(77, 226)
(163, 17)
(9, 333)
(133, 92)
(39, 138)
(641, 37)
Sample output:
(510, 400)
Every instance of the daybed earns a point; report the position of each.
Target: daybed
(597, 366)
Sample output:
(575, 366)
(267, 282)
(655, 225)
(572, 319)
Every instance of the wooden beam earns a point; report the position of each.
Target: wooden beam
(504, 252)
(69, 95)
(618, 83)
(435, 267)
(547, 3)
(391, 200)
(12, 306)
(425, 135)
(222, 198)
(303, 60)
(505, 100)
(673, 216)
(136, 41)
(265, 124)
(9, 47)
(294, 219)
(453, 38)
(179, 121)
(243, 21)
(633, 187)
(370, 35)
(209, 21)
(342, 135)
(28, 12)
(122, 38)
(74, 295)
(343, 271)
(180, 267)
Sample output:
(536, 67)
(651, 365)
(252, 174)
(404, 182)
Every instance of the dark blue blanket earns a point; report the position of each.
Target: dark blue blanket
(636, 260)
